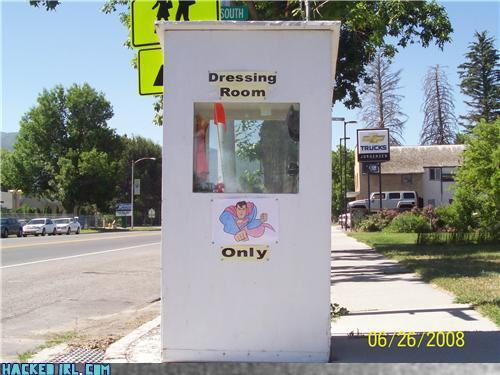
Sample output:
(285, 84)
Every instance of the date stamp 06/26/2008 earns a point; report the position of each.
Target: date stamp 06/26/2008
(439, 339)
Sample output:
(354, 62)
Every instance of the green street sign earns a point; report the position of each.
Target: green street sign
(150, 68)
(145, 12)
(234, 13)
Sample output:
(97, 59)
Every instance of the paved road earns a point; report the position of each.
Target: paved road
(61, 283)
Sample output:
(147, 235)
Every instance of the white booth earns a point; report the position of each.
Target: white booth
(247, 190)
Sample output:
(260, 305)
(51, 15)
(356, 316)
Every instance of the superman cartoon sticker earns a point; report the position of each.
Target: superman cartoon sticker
(245, 221)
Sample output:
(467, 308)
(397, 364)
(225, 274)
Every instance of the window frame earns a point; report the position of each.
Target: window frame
(289, 108)
(436, 171)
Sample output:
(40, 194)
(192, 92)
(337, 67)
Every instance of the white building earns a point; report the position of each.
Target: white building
(428, 170)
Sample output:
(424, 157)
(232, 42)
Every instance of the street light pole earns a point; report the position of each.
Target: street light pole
(340, 173)
(344, 187)
(345, 165)
(343, 180)
(132, 190)
(131, 198)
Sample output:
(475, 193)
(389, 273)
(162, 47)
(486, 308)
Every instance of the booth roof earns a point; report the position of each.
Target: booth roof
(333, 26)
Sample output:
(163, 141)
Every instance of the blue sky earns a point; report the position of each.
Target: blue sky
(77, 43)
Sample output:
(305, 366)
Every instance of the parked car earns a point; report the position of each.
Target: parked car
(10, 225)
(391, 200)
(41, 226)
(67, 225)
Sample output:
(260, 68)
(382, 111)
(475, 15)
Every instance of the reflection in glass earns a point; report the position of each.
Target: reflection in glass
(246, 147)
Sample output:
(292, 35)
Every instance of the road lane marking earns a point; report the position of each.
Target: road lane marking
(55, 242)
(79, 255)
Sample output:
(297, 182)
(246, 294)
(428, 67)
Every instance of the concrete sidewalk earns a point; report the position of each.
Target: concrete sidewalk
(381, 296)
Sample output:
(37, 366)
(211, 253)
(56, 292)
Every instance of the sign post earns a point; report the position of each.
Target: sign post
(137, 186)
(246, 255)
(151, 215)
(123, 209)
(373, 148)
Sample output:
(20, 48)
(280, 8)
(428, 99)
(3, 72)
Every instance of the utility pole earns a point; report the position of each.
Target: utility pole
(369, 192)
(380, 185)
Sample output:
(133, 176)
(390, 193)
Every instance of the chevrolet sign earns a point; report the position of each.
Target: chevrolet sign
(373, 145)
(374, 138)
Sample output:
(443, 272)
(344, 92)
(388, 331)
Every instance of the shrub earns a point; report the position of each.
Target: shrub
(409, 222)
(377, 222)
(357, 216)
(448, 220)
(336, 311)
(369, 224)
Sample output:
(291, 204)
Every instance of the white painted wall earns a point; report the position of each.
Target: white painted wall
(440, 191)
(247, 311)
(6, 200)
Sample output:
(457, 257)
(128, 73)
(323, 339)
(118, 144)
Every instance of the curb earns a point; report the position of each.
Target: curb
(117, 352)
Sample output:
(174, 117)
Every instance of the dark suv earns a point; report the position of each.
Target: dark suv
(10, 225)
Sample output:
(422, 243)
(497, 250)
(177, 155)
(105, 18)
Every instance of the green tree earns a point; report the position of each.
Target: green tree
(481, 80)
(5, 178)
(460, 138)
(47, 4)
(86, 178)
(365, 27)
(477, 189)
(148, 171)
(64, 129)
(337, 177)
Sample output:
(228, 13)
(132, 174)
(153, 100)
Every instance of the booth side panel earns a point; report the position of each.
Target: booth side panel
(247, 311)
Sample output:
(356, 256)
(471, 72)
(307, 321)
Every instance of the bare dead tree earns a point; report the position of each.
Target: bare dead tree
(380, 103)
(440, 124)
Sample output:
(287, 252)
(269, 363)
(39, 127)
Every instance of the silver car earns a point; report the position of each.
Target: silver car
(67, 225)
(38, 226)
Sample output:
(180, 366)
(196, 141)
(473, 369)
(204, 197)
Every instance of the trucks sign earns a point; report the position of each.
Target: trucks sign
(373, 145)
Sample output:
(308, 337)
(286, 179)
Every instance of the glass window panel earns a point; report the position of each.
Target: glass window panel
(246, 148)
(407, 179)
(448, 174)
(432, 174)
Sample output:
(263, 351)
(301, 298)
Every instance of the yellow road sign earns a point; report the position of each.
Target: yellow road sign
(146, 12)
(150, 67)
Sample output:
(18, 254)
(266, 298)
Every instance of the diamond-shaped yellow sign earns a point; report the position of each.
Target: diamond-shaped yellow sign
(150, 67)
